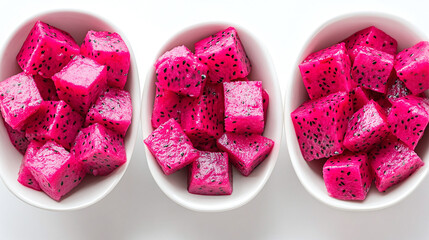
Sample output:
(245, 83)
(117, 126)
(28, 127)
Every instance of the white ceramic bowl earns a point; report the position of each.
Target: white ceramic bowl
(244, 188)
(92, 189)
(310, 173)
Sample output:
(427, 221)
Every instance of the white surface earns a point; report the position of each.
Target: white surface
(92, 189)
(310, 173)
(244, 188)
(137, 209)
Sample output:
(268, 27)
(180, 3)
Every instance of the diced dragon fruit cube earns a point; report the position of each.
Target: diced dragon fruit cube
(224, 55)
(408, 119)
(366, 128)
(25, 177)
(412, 67)
(57, 121)
(165, 106)
(46, 50)
(80, 83)
(171, 147)
(19, 99)
(327, 71)
(347, 176)
(320, 125)
(244, 111)
(392, 162)
(99, 150)
(113, 109)
(371, 37)
(180, 71)
(210, 174)
(245, 151)
(56, 170)
(371, 68)
(203, 119)
(110, 50)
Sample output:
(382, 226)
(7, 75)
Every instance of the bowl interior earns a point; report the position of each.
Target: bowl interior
(244, 188)
(91, 189)
(310, 173)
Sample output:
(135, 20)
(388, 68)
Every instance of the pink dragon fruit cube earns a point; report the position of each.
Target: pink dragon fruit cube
(56, 170)
(180, 71)
(99, 150)
(327, 71)
(392, 162)
(224, 55)
(46, 50)
(408, 119)
(25, 177)
(244, 110)
(246, 151)
(202, 119)
(366, 128)
(171, 147)
(113, 109)
(320, 125)
(347, 176)
(110, 50)
(371, 37)
(19, 99)
(210, 174)
(80, 83)
(371, 68)
(412, 67)
(57, 121)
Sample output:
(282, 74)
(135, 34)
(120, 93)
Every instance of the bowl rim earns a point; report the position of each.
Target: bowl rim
(136, 109)
(146, 121)
(295, 155)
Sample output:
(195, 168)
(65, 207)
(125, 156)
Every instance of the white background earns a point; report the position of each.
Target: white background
(137, 209)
